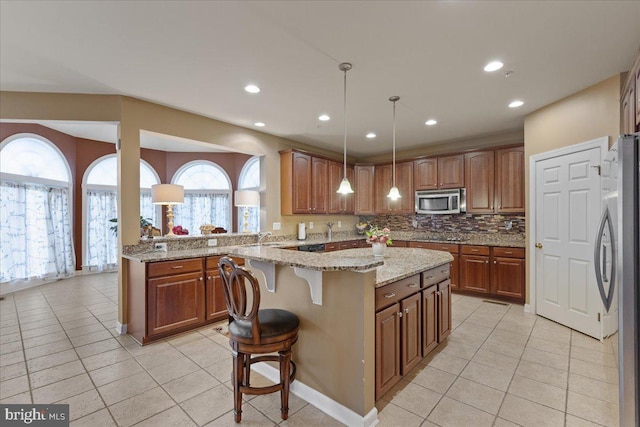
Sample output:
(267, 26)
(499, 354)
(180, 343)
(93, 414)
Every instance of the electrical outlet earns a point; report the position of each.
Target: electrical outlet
(160, 247)
(310, 226)
(212, 242)
(276, 226)
(415, 224)
(339, 224)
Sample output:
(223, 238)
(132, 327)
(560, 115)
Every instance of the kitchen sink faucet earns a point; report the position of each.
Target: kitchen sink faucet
(329, 230)
(263, 235)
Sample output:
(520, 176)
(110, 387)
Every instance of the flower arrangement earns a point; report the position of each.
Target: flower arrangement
(377, 235)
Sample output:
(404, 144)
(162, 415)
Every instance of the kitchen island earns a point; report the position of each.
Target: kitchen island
(337, 346)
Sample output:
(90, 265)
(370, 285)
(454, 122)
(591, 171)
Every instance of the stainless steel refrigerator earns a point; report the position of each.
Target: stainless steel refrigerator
(617, 264)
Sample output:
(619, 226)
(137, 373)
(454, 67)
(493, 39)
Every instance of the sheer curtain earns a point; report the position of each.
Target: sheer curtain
(102, 242)
(35, 237)
(202, 208)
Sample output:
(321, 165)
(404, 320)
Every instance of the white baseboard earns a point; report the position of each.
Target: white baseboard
(320, 401)
(120, 328)
(528, 309)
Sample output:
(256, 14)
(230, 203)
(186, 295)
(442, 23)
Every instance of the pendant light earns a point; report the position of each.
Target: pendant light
(394, 194)
(345, 185)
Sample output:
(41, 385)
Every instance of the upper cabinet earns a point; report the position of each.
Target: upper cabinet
(364, 195)
(495, 181)
(304, 181)
(451, 171)
(509, 186)
(425, 174)
(630, 100)
(479, 172)
(383, 180)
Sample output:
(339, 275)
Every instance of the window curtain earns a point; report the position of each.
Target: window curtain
(202, 208)
(102, 242)
(149, 210)
(35, 235)
(254, 219)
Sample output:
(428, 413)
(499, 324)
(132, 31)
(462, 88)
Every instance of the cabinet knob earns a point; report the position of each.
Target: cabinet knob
(399, 314)
(495, 262)
(201, 279)
(486, 262)
(406, 310)
(413, 285)
(208, 277)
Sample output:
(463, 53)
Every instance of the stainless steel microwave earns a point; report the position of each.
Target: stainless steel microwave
(433, 202)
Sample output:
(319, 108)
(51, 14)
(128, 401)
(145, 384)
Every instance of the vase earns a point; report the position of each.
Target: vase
(378, 249)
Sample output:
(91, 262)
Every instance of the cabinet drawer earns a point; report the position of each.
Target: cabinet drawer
(351, 244)
(212, 261)
(435, 275)
(447, 247)
(164, 268)
(330, 247)
(389, 294)
(474, 250)
(508, 252)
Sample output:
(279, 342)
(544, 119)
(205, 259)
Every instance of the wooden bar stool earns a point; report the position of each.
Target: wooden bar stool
(253, 331)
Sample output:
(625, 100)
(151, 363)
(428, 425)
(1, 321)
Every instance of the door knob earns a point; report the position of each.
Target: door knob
(539, 245)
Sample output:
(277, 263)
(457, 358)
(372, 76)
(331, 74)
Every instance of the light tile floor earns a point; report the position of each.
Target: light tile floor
(499, 367)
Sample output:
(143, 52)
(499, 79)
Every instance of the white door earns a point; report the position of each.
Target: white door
(568, 201)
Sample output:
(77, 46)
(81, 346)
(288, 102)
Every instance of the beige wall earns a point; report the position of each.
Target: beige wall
(591, 113)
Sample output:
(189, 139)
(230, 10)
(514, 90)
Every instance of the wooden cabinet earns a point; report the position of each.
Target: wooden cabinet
(508, 273)
(630, 100)
(637, 92)
(479, 175)
(364, 190)
(446, 247)
(451, 171)
(425, 174)
(387, 349)
(175, 296)
(383, 181)
(509, 180)
(319, 184)
(409, 323)
(475, 269)
(216, 308)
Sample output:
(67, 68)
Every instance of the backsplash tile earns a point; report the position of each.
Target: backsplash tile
(461, 223)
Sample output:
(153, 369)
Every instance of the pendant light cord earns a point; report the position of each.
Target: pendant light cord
(394, 143)
(344, 131)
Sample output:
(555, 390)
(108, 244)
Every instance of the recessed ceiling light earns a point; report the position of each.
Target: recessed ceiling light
(259, 124)
(516, 104)
(324, 118)
(252, 88)
(371, 135)
(430, 122)
(493, 66)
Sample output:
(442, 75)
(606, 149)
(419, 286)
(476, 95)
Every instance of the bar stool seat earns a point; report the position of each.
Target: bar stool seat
(253, 331)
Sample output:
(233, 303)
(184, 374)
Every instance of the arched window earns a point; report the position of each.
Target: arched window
(250, 180)
(35, 210)
(100, 209)
(207, 196)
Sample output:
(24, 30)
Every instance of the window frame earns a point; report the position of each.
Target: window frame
(243, 173)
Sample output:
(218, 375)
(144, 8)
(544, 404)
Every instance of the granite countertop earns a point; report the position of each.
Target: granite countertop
(513, 241)
(398, 262)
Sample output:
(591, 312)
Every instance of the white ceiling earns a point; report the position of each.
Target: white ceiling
(198, 56)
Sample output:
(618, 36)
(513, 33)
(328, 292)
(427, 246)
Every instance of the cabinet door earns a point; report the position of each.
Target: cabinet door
(425, 174)
(411, 332)
(455, 271)
(429, 320)
(382, 185)
(319, 177)
(216, 308)
(509, 180)
(444, 310)
(451, 171)
(638, 97)
(479, 173)
(474, 273)
(508, 277)
(387, 349)
(174, 302)
(336, 200)
(348, 200)
(404, 182)
(301, 186)
(364, 195)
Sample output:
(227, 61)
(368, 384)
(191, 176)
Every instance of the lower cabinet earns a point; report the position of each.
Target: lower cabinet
(168, 297)
(412, 316)
(475, 270)
(508, 273)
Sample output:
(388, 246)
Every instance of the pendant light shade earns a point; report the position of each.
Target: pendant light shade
(345, 185)
(394, 193)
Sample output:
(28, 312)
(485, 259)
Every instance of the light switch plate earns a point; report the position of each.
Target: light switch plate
(310, 226)
(339, 224)
(276, 226)
(212, 242)
(160, 247)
